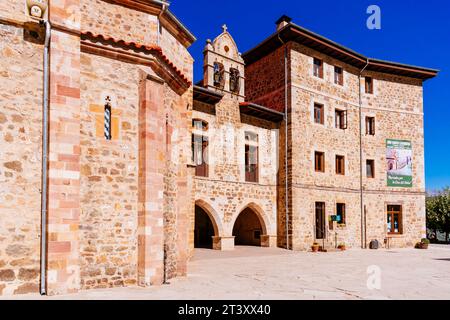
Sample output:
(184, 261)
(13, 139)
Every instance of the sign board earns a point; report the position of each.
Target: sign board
(399, 163)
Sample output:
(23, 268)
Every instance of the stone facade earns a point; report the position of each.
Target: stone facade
(125, 196)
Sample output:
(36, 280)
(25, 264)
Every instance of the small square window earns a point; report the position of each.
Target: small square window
(319, 113)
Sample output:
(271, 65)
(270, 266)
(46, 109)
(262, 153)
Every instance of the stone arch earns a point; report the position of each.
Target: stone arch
(263, 218)
(213, 216)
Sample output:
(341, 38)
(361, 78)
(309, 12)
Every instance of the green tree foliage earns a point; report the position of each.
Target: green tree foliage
(438, 212)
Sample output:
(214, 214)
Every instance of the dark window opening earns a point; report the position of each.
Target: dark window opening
(340, 165)
(340, 213)
(341, 119)
(200, 147)
(318, 68)
(251, 157)
(319, 113)
(369, 85)
(319, 161)
(338, 76)
(370, 168)
(370, 126)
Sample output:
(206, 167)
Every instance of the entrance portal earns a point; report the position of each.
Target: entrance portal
(247, 229)
(204, 230)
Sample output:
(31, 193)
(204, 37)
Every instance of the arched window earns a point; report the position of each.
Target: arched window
(234, 80)
(219, 75)
(200, 147)
(251, 157)
(107, 119)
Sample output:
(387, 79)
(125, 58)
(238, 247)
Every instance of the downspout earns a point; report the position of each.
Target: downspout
(44, 187)
(363, 240)
(286, 184)
(164, 8)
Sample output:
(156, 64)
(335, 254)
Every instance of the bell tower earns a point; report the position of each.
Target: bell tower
(223, 66)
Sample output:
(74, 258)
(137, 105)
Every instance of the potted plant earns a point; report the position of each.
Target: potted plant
(341, 246)
(315, 247)
(423, 244)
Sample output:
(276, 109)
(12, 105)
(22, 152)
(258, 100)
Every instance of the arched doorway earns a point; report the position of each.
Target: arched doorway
(204, 229)
(247, 229)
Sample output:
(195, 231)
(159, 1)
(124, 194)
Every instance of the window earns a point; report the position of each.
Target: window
(318, 68)
(219, 75)
(370, 168)
(251, 157)
(338, 76)
(370, 126)
(341, 119)
(369, 85)
(319, 161)
(394, 219)
(234, 80)
(107, 122)
(340, 165)
(200, 147)
(318, 113)
(340, 213)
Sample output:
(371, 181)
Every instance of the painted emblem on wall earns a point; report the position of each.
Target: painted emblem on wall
(399, 163)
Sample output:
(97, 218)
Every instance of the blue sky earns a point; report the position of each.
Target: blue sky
(412, 32)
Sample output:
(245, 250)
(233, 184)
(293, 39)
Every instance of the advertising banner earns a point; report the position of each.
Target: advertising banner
(399, 163)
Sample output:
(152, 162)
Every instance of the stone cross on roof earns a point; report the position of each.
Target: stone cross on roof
(225, 28)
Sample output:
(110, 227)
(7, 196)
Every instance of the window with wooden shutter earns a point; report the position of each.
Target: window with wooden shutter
(200, 147)
(340, 165)
(318, 68)
(319, 161)
(341, 119)
(319, 113)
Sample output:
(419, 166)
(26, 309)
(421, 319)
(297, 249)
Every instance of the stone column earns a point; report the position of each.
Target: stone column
(63, 268)
(223, 243)
(151, 182)
(268, 241)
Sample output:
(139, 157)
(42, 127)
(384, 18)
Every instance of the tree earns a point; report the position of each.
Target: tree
(438, 212)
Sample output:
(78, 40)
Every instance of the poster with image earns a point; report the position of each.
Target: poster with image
(399, 163)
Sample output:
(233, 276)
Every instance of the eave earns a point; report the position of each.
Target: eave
(293, 32)
(261, 112)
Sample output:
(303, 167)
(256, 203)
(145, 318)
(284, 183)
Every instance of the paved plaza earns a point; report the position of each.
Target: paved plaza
(273, 273)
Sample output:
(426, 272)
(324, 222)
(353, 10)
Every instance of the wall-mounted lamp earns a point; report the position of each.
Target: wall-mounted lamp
(37, 8)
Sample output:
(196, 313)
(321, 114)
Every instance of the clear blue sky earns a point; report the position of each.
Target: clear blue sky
(412, 32)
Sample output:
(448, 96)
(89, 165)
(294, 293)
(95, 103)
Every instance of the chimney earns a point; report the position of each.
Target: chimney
(282, 21)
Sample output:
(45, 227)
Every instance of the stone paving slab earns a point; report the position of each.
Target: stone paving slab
(273, 273)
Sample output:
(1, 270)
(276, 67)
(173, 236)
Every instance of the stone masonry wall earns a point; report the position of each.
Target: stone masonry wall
(20, 161)
(396, 106)
(225, 193)
(109, 174)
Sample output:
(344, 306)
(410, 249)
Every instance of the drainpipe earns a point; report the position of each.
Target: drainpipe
(165, 7)
(44, 187)
(363, 240)
(286, 184)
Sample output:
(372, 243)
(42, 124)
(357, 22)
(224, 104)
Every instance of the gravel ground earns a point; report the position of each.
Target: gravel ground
(273, 273)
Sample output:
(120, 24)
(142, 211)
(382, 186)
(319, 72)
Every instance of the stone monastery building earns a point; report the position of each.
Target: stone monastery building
(130, 165)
